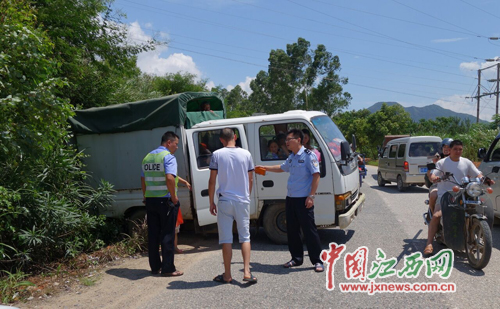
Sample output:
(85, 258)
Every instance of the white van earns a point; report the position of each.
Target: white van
(404, 160)
(116, 150)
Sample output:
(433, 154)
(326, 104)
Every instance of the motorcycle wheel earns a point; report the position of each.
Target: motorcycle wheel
(479, 244)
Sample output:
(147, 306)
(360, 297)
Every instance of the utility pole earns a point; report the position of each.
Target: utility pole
(478, 93)
(496, 93)
(498, 82)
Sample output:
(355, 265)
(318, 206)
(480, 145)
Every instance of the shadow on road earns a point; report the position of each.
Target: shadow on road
(130, 274)
(184, 285)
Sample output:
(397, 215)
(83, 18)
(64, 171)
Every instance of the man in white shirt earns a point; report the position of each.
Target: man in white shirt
(460, 168)
(234, 167)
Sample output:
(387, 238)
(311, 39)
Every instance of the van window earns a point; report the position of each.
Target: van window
(273, 146)
(392, 152)
(208, 142)
(424, 149)
(401, 150)
(386, 152)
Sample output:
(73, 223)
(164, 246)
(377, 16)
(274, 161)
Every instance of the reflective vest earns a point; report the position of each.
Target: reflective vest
(154, 174)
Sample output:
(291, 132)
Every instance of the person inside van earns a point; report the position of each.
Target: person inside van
(273, 148)
(283, 152)
(307, 144)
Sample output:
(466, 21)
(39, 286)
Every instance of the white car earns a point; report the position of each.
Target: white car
(491, 158)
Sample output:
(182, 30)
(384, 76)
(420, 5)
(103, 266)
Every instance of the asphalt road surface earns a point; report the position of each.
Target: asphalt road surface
(390, 220)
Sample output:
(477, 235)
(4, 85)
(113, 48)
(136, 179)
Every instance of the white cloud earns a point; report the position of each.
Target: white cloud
(459, 104)
(474, 66)
(244, 85)
(448, 40)
(470, 66)
(210, 85)
(153, 62)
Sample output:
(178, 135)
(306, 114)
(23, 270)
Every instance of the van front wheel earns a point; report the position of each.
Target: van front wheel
(401, 185)
(275, 224)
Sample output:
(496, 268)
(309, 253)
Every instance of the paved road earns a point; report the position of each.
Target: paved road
(391, 221)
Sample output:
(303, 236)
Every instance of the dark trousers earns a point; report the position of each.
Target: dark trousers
(298, 216)
(161, 230)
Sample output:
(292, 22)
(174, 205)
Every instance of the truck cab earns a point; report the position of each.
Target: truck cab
(338, 199)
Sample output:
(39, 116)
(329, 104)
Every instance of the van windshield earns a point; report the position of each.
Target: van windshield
(330, 134)
(424, 149)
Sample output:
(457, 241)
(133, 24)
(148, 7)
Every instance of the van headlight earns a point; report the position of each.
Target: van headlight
(474, 189)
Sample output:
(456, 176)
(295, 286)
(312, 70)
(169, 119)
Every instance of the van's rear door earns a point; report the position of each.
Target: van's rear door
(202, 142)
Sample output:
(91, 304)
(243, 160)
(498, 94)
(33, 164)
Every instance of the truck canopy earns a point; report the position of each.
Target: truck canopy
(182, 109)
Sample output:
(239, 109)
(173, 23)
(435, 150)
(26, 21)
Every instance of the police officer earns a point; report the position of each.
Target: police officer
(302, 164)
(159, 188)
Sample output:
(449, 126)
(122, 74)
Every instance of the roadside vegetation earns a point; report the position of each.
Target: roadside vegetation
(57, 56)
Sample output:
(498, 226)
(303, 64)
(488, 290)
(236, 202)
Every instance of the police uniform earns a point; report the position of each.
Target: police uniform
(301, 167)
(161, 212)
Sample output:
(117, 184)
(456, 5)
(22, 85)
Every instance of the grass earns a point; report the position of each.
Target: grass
(81, 270)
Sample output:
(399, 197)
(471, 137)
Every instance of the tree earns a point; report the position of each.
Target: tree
(389, 120)
(355, 122)
(91, 46)
(300, 78)
(45, 205)
(148, 86)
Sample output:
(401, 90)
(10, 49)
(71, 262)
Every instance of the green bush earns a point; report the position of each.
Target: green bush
(46, 208)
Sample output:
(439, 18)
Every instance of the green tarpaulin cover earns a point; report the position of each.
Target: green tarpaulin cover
(183, 109)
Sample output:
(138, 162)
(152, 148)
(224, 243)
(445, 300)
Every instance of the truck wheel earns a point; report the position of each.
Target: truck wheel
(380, 180)
(136, 220)
(401, 185)
(275, 224)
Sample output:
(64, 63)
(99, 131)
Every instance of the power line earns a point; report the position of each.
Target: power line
(393, 18)
(430, 49)
(474, 6)
(437, 18)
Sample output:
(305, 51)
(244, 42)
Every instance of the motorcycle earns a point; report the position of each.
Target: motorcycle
(467, 217)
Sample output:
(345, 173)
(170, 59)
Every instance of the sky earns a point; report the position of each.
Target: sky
(416, 53)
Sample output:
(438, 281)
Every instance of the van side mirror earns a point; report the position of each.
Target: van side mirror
(481, 153)
(495, 169)
(345, 151)
(354, 145)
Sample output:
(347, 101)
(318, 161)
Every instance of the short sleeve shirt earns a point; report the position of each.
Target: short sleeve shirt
(460, 169)
(232, 165)
(301, 167)
(169, 162)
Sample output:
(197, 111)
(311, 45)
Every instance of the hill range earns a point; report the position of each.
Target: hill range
(426, 112)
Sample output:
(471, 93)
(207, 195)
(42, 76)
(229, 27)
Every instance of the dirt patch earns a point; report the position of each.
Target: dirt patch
(122, 283)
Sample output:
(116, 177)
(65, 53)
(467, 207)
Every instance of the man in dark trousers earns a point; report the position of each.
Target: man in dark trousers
(303, 166)
(159, 188)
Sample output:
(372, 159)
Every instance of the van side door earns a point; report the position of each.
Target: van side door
(400, 161)
(391, 163)
(202, 142)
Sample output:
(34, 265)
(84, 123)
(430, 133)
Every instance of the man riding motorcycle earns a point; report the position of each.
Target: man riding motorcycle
(460, 167)
(433, 194)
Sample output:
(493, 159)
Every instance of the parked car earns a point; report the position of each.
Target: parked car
(491, 158)
(404, 160)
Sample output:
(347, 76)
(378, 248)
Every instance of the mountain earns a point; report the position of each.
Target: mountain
(426, 112)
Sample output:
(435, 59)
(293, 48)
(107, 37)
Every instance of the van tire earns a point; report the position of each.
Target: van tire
(401, 185)
(274, 224)
(380, 180)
